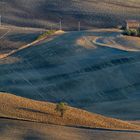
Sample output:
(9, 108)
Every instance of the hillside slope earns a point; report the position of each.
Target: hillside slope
(12, 38)
(91, 13)
(14, 107)
(71, 68)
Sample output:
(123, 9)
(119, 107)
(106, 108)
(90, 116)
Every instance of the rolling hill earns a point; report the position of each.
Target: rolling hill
(71, 68)
(96, 70)
(18, 108)
(47, 13)
(12, 38)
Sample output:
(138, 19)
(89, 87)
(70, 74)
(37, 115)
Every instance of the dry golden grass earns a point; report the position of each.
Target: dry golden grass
(15, 107)
(86, 42)
(125, 43)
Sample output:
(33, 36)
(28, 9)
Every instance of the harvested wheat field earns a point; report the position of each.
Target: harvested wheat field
(25, 109)
(91, 13)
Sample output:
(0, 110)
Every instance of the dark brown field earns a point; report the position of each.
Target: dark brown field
(21, 130)
(47, 13)
(12, 38)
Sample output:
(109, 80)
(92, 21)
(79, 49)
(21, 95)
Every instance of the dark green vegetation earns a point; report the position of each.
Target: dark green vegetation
(132, 32)
(45, 34)
(62, 108)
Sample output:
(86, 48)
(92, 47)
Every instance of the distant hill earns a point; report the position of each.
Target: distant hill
(47, 13)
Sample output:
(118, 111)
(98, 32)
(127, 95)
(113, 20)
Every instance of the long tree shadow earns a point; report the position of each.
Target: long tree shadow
(34, 111)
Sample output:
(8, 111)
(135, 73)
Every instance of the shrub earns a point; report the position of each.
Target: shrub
(132, 32)
(139, 32)
(49, 32)
(62, 108)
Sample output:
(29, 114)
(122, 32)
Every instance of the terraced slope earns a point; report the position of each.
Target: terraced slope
(91, 13)
(71, 68)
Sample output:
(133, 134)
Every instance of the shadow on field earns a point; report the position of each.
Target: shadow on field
(106, 130)
(23, 37)
(34, 111)
(33, 135)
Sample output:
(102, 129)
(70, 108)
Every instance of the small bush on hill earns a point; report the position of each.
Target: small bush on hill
(134, 32)
(131, 32)
(62, 108)
(139, 32)
(49, 32)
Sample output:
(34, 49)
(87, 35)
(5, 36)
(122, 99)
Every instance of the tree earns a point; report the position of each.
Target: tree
(134, 33)
(62, 108)
(139, 32)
